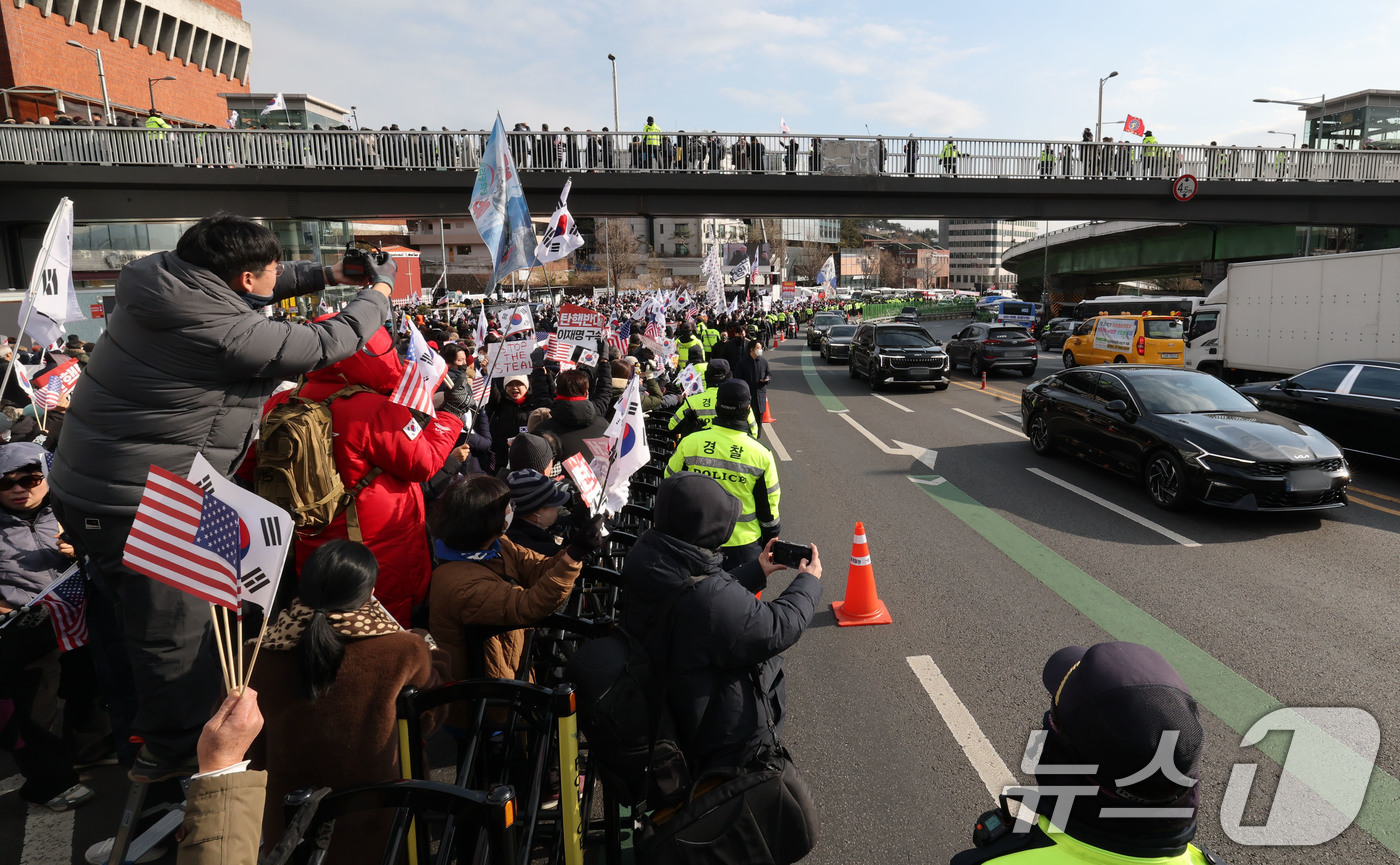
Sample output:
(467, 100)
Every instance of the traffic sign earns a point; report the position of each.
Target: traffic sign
(1184, 189)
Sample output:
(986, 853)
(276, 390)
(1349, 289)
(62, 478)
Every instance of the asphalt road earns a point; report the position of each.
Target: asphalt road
(988, 567)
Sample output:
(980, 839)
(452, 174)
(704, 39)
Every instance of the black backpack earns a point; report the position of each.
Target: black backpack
(624, 715)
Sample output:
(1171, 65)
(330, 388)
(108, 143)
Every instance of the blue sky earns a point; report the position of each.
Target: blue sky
(996, 70)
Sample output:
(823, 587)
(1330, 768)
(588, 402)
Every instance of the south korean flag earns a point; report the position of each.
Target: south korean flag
(562, 237)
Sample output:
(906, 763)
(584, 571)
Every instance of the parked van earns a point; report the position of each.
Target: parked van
(1156, 339)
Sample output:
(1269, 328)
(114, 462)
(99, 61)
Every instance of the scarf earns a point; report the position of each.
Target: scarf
(448, 554)
(370, 620)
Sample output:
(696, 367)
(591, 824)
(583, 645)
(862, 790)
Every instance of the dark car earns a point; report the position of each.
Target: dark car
(892, 352)
(1356, 403)
(983, 347)
(908, 314)
(836, 342)
(1186, 436)
(819, 324)
(1052, 336)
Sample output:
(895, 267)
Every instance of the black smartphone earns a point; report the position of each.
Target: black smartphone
(790, 555)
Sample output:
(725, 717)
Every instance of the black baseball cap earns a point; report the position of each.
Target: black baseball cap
(1112, 703)
(732, 396)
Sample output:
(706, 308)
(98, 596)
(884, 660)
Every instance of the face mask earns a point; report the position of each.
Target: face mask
(510, 515)
(758, 352)
(257, 301)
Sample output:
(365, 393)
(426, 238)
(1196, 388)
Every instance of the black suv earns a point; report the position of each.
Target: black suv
(893, 352)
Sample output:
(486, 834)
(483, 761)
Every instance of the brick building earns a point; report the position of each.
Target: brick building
(204, 44)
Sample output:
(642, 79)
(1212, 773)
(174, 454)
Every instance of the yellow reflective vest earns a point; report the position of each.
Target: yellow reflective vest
(703, 403)
(746, 470)
(653, 134)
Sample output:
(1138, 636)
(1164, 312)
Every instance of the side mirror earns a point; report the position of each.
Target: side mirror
(1116, 406)
(1253, 399)
(1286, 385)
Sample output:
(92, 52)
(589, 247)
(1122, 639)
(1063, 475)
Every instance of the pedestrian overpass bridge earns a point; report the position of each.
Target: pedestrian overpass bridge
(140, 174)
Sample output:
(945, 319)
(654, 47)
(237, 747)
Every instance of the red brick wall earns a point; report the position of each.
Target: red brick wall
(37, 56)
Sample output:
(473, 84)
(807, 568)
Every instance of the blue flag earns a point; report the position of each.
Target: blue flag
(499, 211)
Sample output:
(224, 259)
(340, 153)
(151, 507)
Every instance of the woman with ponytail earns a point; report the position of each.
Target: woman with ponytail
(331, 668)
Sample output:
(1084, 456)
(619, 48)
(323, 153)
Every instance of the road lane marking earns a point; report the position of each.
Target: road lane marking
(872, 437)
(1356, 501)
(999, 394)
(1373, 495)
(923, 455)
(892, 402)
(990, 422)
(777, 444)
(48, 837)
(1224, 693)
(1013, 415)
(930, 482)
(993, 771)
(1120, 511)
(819, 388)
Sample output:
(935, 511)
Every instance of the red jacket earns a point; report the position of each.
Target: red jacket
(371, 431)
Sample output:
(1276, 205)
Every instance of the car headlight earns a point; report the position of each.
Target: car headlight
(1203, 455)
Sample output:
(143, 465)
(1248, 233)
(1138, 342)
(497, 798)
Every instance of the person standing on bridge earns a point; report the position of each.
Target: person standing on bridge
(743, 467)
(1047, 162)
(948, 158)
(911, 156)
(651, 144)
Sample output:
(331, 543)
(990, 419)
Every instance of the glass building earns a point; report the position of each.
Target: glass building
(302, 111)
(1366, 119)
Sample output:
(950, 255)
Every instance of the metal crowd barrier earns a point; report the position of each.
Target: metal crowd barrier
(689, 153)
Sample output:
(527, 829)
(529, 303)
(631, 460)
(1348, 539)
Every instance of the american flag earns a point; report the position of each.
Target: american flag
(57, 382)
(618, 339)
(558, 350)
(691, 313)
(655, 331)
(67, 606)
(422, 374)
(478, 387)
(187, 539)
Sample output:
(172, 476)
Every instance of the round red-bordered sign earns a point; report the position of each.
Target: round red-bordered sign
(1184, 189)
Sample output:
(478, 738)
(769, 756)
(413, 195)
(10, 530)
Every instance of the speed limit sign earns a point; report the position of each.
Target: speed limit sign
(1185, 188)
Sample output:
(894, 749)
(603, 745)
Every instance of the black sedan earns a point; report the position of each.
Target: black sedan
(836, 342)
(1355, 402)
(819, 325)
(1056, 330)
(1186, 436)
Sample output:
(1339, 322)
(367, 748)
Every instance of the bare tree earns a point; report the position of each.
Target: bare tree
(806, 261)
(618, 251)
(1178, 285)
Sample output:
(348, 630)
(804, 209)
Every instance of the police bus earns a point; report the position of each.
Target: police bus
(1129, 304)
(1007, 310)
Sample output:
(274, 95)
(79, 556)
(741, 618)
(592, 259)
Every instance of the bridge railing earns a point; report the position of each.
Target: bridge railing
(728, 153)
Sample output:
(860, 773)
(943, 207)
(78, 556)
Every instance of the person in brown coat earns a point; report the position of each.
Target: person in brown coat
(331, 668)
(486, 580)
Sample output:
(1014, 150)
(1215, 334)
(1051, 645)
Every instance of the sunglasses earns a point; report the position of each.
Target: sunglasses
(29, 482)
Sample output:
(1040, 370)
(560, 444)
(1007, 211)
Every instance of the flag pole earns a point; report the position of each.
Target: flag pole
(47, 590)
(29, 304)
(262, 632)
(219, 645)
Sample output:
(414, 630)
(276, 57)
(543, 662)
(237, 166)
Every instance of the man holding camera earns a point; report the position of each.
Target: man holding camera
(184, 367)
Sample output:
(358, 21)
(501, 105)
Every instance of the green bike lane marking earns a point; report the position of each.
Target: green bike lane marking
(1219, 689)
(814, 381)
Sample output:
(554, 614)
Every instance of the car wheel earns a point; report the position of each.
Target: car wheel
(981, 367)
(1041, 442)
(1069, 359)
(1120, 359)
(851, 368)
(875, 383)
(1028, 371)
(1165, 479)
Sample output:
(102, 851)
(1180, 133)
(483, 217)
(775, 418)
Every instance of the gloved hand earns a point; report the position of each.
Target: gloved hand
(670, 400)
(382, 272)
(585, 533)
(459, 398)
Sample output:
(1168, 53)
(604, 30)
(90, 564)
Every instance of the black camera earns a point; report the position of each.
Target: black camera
(358, 256)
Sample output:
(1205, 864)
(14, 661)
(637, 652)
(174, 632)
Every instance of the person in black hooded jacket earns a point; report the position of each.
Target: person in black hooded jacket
(721, 632)
(573, 416)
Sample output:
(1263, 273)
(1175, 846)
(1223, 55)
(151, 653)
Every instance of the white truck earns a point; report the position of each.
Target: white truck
(1270, 319)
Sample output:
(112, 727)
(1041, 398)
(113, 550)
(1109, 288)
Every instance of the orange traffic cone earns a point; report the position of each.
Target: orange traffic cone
(767, 415)
(861, 606)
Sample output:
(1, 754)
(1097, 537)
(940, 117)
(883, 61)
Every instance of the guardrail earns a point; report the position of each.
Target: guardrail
(706, 153)
(928, 309)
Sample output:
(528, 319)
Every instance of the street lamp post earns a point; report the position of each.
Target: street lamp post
(151, 87)
(1292, 135)
(101, 78)
(1321, 113)
(607, 223)
(354, 118)
(1098, 126)
(617, 124)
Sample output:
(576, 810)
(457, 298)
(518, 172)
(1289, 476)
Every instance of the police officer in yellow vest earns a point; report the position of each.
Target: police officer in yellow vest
(1152, 155)
(703, 404)
(651, 139)
(745, 468)
(948, 158)
(685, 339)
(709, 336)
(157, 123)
(1123, 741)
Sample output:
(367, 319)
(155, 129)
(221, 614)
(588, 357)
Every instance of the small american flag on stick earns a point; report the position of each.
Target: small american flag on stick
(187, 539)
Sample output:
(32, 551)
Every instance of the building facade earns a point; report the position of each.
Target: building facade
(975, 248)
(302, 111)
(205, 46)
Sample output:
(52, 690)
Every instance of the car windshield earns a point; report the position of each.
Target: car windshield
(1008, 333)
(842, 330)
(1174, 392)
(827, 320)
(1164, 328)
(902, 339)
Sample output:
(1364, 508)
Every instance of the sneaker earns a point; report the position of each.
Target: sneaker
(70, 798)
(148, 770)
(99, 853)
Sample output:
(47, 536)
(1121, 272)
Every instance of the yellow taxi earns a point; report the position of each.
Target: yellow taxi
(1158, 339)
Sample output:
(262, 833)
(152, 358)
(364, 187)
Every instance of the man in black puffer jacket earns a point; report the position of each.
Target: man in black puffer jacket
(184, 368)
(721, 632)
